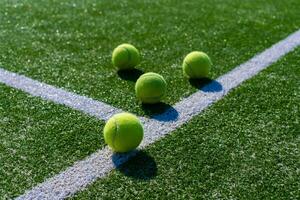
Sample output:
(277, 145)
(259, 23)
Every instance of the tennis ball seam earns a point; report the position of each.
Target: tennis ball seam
(154, 75)
(150, 97)
(189, 66)
(115, 132)
(129, 55)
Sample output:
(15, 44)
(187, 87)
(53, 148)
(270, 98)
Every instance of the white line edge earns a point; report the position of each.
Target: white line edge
(100, 163)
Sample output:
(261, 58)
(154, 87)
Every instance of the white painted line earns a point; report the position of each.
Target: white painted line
(60, 96)
(103, 161)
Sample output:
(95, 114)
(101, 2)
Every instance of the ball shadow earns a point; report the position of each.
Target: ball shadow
(206, 84)
(160, 111)
(130, 75)
(139, 165)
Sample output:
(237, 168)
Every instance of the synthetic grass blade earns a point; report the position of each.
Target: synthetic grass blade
(100, 163)
(57, 95)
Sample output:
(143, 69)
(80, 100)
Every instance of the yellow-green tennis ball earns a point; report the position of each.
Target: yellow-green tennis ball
(196, 65)
(123, 132)
(125, 56)
(150, 88)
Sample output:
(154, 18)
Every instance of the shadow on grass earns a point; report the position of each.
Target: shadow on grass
(140, 165)
(206, 85)
(160, 111)
(130, 75)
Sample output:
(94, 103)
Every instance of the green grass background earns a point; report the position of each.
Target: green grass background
(245, 146)
(247, 140)
(39, 139)
(69, 43)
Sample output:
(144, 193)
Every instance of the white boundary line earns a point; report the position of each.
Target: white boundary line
(57, 95)
(103, 161)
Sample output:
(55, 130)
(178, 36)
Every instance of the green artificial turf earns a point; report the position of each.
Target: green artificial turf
(69, 43)
(39, 139)
(245, 146)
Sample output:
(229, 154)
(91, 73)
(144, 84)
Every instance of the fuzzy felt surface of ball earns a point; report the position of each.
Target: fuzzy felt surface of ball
(150, 88)
(123, 132)
(125, 56)
(196, 64)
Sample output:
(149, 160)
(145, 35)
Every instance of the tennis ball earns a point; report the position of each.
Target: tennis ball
(123, 132)
(196, 65)
(125, 56)
(150, 88)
